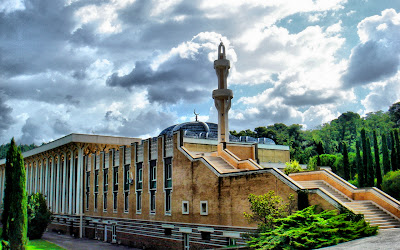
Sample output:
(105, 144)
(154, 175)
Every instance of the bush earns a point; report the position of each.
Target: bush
(39, 216)
(268, 207)
(292, 167)
(391, 184)
(306, 229)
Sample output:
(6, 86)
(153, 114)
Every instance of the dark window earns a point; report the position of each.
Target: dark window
(105, 180)
(126, 202)
(205, 235)
(153, 174)
(126, 177)
(115, 201)
(105, 202)
(152, 201)
(96, 181)
(138, 200)
(168, 200)
(168, 172)
(139, 176)
(115, 179)
(168, 231)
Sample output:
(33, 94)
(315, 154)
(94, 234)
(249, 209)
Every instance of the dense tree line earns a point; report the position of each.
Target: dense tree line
(23, 147)
(355, 147)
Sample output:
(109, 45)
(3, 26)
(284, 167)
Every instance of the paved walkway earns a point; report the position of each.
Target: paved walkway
(386, 239)
(69, 242)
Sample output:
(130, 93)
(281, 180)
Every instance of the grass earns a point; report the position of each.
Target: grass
(37, 244)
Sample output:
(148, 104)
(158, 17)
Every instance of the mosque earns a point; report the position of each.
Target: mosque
(186, 188)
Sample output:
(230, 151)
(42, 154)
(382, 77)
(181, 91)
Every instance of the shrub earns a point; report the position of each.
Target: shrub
(268, 207)
(391, 184)
(305, 229)
(292, 167)
(39, 216)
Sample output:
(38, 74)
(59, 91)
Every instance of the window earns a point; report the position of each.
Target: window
(203, 208)
(87, 190)
(105, 180)
(205, 235)
(126, 177)
(95, 202)
(168, 201)
(138, 201)
(115, 201)
(115, 178)
(139, 186)
(105, 202)
(96, 181)
(152, 201)
(168, 184)
(168, 231)
(153, 185)
(139, 176)
(105, 189)
(126, 202)
(185, 207)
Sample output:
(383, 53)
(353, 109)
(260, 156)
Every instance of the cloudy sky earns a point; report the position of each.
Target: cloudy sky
(134, 67)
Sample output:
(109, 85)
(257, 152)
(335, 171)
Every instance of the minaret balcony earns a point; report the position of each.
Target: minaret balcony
(222, 63)
(222, 94)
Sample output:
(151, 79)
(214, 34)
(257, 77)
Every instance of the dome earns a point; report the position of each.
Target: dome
(195, 128)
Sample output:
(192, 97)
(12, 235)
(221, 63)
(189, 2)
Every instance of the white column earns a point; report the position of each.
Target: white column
(79, 191)
(46, 180)
(71, 167)
(63, 191)
(57, 196)
(31, 178)
(51, 202)
(36, 176)
(41, 176)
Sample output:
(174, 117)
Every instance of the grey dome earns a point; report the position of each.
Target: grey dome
(195, 128)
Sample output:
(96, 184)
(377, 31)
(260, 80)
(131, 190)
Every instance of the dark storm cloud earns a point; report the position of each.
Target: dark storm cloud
(35, 39)
(308, 98)
(369, 62)
(176, 79)
(6, 119)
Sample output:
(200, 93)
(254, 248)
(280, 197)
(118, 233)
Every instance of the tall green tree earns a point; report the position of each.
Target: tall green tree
(385, 155)
(370, 166)
(346, 163)
(378, 171)
(397, 142)
(394, 113)
(15, 210)
(365, 156)
(393, 153)
(360, 167)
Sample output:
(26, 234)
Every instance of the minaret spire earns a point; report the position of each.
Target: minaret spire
(222, 96)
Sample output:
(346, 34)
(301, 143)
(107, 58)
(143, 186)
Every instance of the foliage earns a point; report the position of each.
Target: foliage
(385, 155)
(268, 207)
(393, 153)
(346, 163)
(39, 216)
(305, 229)
(23, 147)
(391, 184)
(292, 167)
(378, 171)
(14, 217)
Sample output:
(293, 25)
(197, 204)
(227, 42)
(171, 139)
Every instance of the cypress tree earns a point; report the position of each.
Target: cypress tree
(16, 220)
(385, 155)
(360, 168)
(378, 171)
(364, 156)
(397, 142)
(393, 153)
(370, 166)
(346, 164)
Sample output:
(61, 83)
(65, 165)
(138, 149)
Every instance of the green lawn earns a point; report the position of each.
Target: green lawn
(37, 244)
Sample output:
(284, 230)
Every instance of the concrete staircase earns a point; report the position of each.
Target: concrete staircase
(220, 164)
(373, 213)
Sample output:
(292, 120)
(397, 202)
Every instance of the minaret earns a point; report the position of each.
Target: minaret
(222, 96)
